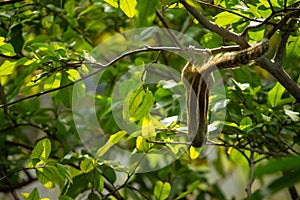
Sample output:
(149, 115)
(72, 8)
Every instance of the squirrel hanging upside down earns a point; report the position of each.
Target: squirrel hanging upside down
(197, 81)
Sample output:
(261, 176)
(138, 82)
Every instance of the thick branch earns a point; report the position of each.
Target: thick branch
(278, 72)
(214, 27)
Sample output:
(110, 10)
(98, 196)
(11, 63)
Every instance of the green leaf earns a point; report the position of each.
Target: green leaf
(47, 176)
(148, 127)
(52, 82)
(225, 18)
(275, 94)
(6, 48)
(86, 165)
(245, 123)
(113, 3)
(97, 180)
(140, 103)
(64, 172)
(42, 149)
(15, 37)
(80, 184)
(142, 144)
(47, 21)
(162, 190)
(190, 190)
(285, 181)
(34, 195)
(7, 68)
(128, 7)
(113, 139)
(274, 166)
(232, 124)
(65, 94)
(65, 197)
(145, 12)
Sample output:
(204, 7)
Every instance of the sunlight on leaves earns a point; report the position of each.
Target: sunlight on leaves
(113, 139)
(162, 190)
(194, 152)
(42, 149)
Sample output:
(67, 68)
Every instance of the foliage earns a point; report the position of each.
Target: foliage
(47, 62)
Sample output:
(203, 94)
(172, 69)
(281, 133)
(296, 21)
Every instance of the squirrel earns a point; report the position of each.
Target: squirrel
(198, 80)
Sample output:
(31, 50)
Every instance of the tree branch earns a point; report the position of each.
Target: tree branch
(282, 22)
(282, 44)
(239, 39)
(10, 2)
(283, 78)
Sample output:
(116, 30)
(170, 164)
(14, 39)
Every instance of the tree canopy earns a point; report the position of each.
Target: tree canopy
(92, 102)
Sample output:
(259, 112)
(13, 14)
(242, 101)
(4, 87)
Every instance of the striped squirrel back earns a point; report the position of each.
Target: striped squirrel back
(198, 80)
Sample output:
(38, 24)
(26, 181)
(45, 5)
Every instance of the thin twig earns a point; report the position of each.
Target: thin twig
(171, 33)
(228, 10)
(282, 22)
(271, 6)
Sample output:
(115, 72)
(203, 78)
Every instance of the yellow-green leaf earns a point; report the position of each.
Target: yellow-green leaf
(6, 48)
(113, 3)
(194, 152)
(275, 94)
(42, 149)
(34, 195)
(113, 139)
(245, 123)
(142, 144)
(128, 7)
(7, 67)
(148, 128)
(225, 18)
(86, 165)
(162, 190)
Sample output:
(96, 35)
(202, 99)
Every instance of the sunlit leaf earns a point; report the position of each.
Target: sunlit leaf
(34, 195)
(113, 139)
(42, 149)
(194, 152)
(225, 18)
(162, 190)
(148, 128)
(47, 176)
(142, 144)
(140, 103)
(86, 165)
(128, 7)
(7, 68)
(245, 123)
(6, 48)
(275, 94)
(113, 3)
